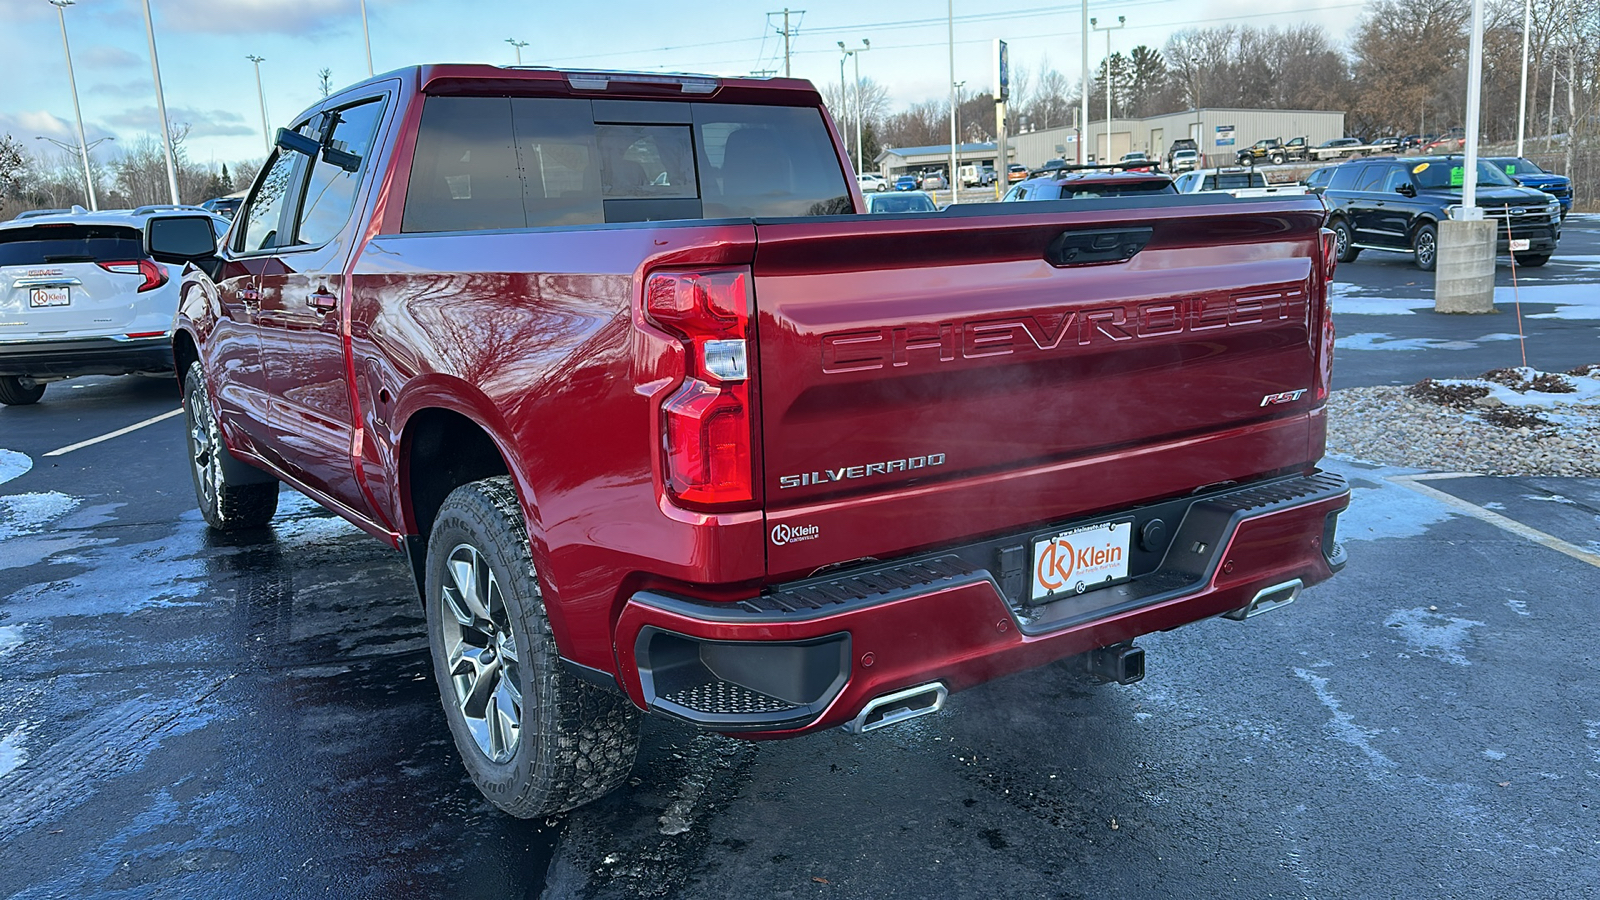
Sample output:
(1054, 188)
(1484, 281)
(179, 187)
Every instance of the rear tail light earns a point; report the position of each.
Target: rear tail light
(155, 274)
(1324, 320)
(707, 426)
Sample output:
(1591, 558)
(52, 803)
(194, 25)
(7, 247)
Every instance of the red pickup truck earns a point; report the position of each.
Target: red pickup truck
(663, 423)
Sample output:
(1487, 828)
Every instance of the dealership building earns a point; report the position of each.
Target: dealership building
(1220, 133)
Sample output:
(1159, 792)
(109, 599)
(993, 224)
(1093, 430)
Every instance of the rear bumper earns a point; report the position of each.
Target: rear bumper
(812, 654)
(67, 358)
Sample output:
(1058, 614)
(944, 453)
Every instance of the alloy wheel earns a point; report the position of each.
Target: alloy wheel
(204, 440)
(481, 653)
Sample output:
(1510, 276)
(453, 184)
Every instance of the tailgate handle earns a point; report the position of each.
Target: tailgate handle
(1078, 248)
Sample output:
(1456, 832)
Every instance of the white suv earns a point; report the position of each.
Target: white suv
(80, 296)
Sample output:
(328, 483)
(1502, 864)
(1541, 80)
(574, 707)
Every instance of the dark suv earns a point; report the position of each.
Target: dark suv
(1397, 204)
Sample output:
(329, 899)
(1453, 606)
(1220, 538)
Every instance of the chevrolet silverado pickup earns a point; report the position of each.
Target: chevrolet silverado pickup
(664, 423)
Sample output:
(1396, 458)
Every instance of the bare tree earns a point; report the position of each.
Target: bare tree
(325, 81)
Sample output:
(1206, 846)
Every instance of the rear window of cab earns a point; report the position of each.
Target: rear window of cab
(485, 163)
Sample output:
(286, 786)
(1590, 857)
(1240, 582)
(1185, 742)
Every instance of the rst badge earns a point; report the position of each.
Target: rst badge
(1285, 397)
(1075, 561)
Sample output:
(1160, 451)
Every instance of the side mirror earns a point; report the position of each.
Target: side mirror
(1406, 189)
(180, 239)
(297, 142)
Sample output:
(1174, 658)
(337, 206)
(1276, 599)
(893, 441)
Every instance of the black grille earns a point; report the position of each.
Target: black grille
(723, 698)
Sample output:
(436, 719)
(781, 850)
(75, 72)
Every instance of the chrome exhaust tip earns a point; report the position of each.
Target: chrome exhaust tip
(900, 706)
(1268, 599)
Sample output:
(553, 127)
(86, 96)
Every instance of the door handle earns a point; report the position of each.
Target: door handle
(322, 300)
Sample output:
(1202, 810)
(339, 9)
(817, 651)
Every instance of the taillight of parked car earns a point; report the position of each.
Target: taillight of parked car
(155, 274)
(707, 424)
(1330, 259)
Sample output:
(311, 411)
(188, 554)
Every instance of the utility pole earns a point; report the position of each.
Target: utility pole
(161, 106)
(1002, 93)
(72, 83)
(843, 56)
(950, 20)
(266, 136)
(1083, 101)
(787, 34)
(1121, 20)
(366, 36)
(519, 45)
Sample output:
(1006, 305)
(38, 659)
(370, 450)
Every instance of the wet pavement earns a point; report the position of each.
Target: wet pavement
(194, 716)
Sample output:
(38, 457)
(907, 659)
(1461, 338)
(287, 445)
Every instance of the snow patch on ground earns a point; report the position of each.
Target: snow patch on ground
(12, 753)
(13, 465)
(1343, 725)
(1579, 301)
(11, 637)
(1382, 341)
(1586, 390)
(1432, 634)
(22, 514)
(1382, 511)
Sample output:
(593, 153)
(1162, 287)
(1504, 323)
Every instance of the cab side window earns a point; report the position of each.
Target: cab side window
(1344, 177)
(1395, 177)
(264, 209)
(331, 190)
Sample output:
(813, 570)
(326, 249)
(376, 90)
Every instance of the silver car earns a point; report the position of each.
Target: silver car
(79, 296)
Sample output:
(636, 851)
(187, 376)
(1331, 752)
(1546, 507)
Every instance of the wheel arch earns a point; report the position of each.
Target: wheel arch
(185, 352)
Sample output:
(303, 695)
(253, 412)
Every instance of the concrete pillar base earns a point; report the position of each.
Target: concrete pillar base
(1464, 278)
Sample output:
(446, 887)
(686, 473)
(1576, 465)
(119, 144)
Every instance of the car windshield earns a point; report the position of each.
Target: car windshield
(65, 243)
(891, 203)
(1451, 173)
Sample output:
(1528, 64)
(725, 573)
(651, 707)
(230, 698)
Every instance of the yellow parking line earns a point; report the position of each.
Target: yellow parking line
(118, 433)
(1413, 483)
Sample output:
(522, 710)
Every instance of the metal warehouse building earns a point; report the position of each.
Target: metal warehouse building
(1220, 134)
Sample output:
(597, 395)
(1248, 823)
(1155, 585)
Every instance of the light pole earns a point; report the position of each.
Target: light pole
(519, 45)
(83, 146)
(1121, 20)
(82, 149)
(1083, 102)
(266, 136)
(366, 36)
(860, 118)
(161, 105)
(1522, 95)
(955, 196)
(843, 105)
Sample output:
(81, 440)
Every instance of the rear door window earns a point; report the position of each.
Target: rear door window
(1371, 179)
(521, 162)
(1344, 178)
(331, 190)
(40, 245)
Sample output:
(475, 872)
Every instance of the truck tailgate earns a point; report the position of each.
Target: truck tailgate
(925, 380)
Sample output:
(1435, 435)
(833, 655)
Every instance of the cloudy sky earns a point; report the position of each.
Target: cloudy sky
(211, 85)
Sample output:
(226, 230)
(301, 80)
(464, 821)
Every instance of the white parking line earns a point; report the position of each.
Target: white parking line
(1411, 482)
(118, 433)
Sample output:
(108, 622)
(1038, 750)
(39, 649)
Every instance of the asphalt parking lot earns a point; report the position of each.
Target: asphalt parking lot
(185, 715)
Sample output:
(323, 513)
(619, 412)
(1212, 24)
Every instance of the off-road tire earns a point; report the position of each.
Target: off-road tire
(12, 393)
(1344, 242)
(576, 741)
(225, 503)
(1425, 247)
(1532, 260)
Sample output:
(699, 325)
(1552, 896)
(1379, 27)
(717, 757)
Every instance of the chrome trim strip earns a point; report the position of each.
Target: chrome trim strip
(859, 724)
(47, 281)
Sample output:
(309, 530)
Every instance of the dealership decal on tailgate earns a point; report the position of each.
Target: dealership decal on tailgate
(1083, 558)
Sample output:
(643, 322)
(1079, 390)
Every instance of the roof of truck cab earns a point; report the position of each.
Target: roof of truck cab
(477, 78)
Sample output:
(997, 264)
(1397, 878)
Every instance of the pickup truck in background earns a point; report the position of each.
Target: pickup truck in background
(664, 423)
(1238, 182)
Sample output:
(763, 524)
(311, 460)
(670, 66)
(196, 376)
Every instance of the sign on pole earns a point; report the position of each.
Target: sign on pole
(1002, 71)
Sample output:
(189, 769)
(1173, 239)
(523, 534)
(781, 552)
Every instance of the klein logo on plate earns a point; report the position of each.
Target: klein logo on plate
(794, 534)
(1081, 559)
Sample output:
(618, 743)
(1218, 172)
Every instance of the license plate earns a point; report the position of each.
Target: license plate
(1521, 243)
(1082, 559)
(60, 296)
